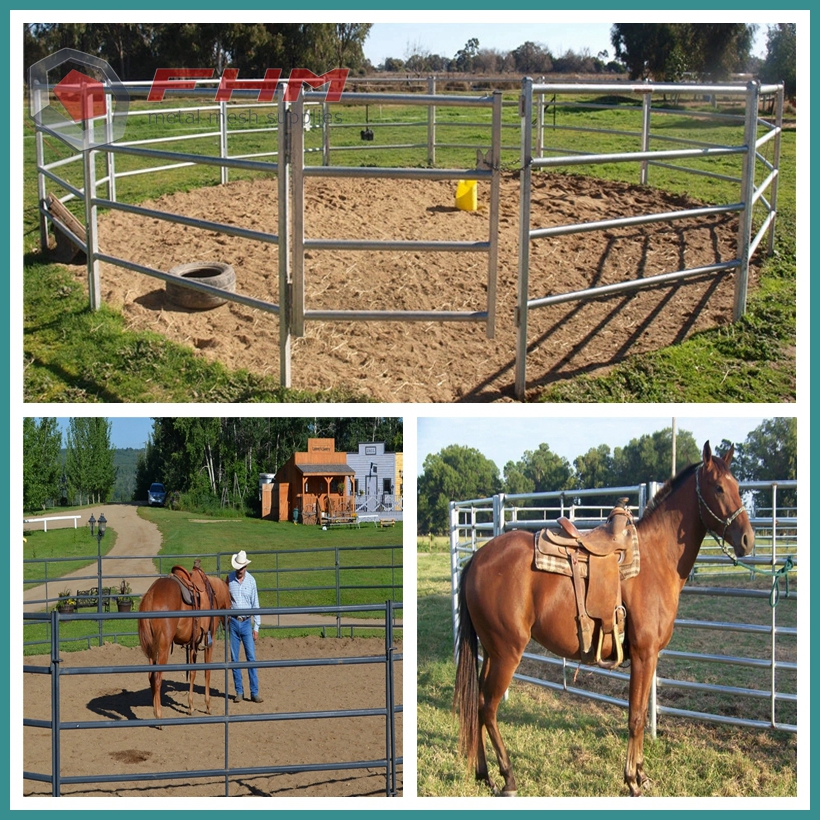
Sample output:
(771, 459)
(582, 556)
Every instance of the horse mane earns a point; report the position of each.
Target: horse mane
(668, 488)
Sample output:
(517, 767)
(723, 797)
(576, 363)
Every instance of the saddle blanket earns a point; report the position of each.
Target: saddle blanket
(552, 558)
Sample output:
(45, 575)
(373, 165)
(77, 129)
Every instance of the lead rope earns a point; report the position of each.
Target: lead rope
(775, 574)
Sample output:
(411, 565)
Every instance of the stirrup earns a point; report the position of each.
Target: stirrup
(618, 635)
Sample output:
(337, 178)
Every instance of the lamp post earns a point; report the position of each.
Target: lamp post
(99, 536)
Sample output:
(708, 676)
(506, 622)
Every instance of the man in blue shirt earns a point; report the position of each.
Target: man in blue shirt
(244, 628)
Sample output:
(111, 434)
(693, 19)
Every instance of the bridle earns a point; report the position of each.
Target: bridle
(726, 522)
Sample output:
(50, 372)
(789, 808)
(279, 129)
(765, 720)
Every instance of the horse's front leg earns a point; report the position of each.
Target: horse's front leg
(640, 682)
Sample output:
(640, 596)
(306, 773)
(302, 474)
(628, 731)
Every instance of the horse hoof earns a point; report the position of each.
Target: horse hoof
(513, 793)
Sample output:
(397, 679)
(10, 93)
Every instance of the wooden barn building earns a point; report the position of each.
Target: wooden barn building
(316, 484)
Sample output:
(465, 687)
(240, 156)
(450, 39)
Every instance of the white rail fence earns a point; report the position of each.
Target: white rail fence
(45, 521)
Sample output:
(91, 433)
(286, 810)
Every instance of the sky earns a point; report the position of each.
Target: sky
(125, 432)
(506, 439)
(452, 32)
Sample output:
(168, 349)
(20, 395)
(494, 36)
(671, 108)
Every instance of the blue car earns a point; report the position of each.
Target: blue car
(156, 494)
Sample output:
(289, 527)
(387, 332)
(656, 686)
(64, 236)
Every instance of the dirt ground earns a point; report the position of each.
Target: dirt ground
(122, 697)
(428, 361)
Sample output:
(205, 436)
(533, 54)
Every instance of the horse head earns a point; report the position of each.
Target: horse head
(719, 503)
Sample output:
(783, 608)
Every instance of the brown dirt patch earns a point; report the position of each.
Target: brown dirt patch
(124, 697)
(429, 361)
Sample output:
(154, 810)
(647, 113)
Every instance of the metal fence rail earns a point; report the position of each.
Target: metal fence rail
(303, 243)
(747, 149)
(273, 582)
(388, 710)
(474, 522)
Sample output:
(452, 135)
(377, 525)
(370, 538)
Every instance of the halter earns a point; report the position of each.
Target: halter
(724, 521)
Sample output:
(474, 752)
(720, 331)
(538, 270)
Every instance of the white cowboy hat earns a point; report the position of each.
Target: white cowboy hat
(239, 560)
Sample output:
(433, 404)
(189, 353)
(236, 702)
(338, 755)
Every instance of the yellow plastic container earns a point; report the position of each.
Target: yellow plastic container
(467, 195)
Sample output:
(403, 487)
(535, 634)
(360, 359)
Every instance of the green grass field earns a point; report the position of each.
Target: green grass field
(59, 552)
(73, 355)
(561, 745)
(294, 565)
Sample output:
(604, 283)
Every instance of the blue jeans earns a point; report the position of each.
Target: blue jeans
(242, 632)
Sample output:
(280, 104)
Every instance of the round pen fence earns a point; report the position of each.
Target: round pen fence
(302, 143)
(757, 689)
(223, 755)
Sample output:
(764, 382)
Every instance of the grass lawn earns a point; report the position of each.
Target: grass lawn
(58, 552)
(287, 556)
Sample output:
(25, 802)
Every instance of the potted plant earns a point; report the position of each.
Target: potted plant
(66, 604)
(124, 600)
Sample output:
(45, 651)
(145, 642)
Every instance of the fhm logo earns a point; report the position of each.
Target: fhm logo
(87, 106)
(70, 93)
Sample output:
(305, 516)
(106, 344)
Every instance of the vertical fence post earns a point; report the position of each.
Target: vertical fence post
(525, 190)
(40, 102)
(297, 160)
(747, 197)
(110, 163)
(651, 491)
(498, 514)
(646, 109)
(223, 140)
(55, 703)
(99, 591)
(226, 725)
(495, 206)
(390, 701)
(283, 162)
(326, 133)
(773, 684)
(338, 572)
(454, 573)
(89, 194)
(431, 124)
(779, 99)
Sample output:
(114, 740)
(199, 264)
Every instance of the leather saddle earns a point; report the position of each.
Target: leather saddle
(597, 561)
(197, 593)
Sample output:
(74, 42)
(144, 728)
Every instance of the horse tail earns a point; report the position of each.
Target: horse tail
(465, 698)
(145, 631)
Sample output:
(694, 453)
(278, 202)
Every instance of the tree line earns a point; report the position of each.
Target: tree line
(673, 52)
(136, 50)
(81, 473)
(663, 52)
(458, 473)
(206, 462)
(209, 463)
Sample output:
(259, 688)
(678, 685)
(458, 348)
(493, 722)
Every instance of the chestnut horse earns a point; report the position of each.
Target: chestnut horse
(158, 635)
(504, 602)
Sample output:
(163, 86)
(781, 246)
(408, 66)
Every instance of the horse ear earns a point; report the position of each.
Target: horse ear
(707, 454)
(727, 456)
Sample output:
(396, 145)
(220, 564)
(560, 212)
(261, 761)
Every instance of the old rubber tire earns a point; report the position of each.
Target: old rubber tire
(218, 274)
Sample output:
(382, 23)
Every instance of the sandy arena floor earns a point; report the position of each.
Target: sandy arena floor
(429, 361)
(124, 697)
